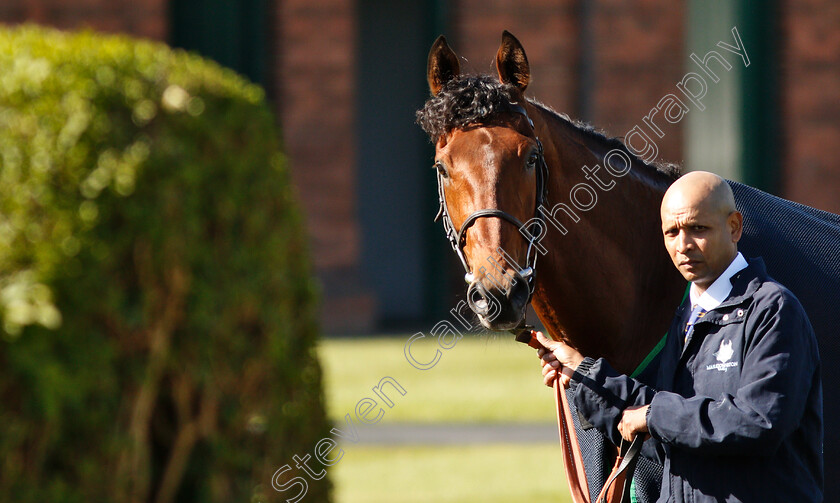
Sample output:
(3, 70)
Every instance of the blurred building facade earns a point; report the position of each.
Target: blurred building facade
(345, 77)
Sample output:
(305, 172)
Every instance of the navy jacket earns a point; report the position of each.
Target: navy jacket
(737, 412)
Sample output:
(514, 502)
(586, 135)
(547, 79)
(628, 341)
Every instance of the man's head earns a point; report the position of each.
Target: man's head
(701, 226)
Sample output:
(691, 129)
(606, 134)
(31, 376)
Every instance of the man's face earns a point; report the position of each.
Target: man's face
(701, 240)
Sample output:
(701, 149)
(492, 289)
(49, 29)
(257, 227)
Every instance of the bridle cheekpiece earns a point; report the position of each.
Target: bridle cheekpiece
(457, 238)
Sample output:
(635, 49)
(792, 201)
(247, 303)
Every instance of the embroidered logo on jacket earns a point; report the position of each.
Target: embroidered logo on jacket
(723, 355)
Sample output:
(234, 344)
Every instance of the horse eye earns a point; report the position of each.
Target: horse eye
(441, 169)
(532, 160)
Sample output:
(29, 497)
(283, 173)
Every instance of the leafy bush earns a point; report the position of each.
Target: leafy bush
(156, 303)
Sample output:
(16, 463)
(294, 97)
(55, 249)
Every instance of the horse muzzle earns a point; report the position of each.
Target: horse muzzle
(499, 307)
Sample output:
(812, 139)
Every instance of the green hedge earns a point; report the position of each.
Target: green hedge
(156, 305)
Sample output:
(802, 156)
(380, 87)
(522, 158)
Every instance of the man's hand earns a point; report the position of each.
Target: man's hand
(557, 356)
(633, 422)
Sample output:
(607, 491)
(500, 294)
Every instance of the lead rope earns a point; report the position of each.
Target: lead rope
(570, 447)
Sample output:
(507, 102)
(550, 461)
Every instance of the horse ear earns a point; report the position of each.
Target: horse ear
(511, 62)
(443, 65)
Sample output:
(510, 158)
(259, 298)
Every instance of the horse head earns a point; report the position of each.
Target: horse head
(491, 177)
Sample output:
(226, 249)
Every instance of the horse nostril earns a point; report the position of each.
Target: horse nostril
(480, 305)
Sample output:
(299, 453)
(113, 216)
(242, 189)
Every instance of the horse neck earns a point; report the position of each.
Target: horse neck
(606, 285)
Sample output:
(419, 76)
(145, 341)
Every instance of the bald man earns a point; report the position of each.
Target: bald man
(736, 407)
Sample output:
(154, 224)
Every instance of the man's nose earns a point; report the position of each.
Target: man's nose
(684, 242)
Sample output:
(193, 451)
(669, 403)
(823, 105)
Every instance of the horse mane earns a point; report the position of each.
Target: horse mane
(670, 170)
(475, 99)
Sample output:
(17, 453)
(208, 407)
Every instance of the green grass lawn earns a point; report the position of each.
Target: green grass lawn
(464, 474)
(479, 380)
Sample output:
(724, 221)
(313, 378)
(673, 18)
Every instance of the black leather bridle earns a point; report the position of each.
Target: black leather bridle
(457, 238)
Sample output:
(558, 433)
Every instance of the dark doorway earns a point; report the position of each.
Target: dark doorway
(404, 253)
(233, 34)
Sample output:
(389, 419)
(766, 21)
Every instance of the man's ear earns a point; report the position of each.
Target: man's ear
(735, 222)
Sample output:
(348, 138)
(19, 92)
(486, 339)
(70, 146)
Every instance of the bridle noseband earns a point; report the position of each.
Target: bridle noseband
(457, 238)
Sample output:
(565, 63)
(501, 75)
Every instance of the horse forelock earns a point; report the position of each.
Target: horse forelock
(465, 100)
(475, 99)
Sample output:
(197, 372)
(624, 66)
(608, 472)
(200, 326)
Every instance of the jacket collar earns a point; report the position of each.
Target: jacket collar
(744, 285)
(746, 282)
(720, 288)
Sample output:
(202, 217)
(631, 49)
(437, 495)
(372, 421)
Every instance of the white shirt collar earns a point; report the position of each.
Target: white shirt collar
(719, 290)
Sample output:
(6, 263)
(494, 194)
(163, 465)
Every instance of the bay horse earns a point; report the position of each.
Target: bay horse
(603, 280)
(546, 210)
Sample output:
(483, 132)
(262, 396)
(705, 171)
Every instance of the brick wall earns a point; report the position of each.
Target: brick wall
(810, 89)
(316, 102)
(546, 29)
(635, 55)
(638, 60)
(142, 18)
